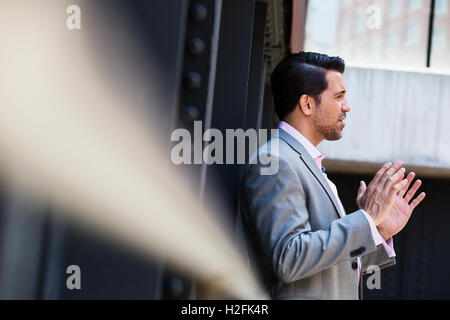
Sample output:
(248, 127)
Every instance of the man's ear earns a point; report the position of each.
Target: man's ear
(306, 104)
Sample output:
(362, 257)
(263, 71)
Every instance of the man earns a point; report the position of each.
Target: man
(305, 244)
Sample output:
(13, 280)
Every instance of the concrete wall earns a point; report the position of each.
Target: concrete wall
(396, 115)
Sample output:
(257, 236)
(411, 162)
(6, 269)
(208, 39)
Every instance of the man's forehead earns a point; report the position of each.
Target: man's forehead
(335, 80)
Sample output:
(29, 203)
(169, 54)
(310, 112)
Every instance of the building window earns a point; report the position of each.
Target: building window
(360, 23)
(375, 47)
(392, 41)
(412, 34)
(440, 49)
(345, 30)
(414, 5)
(441, 7)
(347, 2)
(365, 31)
(395, 9)
(439, 39)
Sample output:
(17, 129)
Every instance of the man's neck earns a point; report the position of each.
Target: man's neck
(306, 129)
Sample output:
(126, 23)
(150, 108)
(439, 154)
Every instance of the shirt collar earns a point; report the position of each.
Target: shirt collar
(310, 148)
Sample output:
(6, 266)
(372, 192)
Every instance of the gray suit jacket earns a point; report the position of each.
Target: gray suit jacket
(302, 245)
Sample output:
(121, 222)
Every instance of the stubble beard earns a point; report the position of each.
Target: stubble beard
(330, 131)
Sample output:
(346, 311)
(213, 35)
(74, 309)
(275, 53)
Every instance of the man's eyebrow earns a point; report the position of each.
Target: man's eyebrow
(341, 92)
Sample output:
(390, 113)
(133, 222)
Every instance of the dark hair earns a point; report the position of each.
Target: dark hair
(298, 74)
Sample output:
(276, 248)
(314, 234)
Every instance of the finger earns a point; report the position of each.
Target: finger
(410, 178)
(396, 189)
(380, 173)
(413, 190)
(389, 173)
(417, 200)
(361, 190)
(394, 179)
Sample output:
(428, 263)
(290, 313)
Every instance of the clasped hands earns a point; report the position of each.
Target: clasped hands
(386, 198)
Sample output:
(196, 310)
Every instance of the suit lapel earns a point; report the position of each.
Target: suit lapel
(312, 166)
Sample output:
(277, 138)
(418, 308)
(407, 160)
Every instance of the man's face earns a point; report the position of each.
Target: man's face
(330, 112)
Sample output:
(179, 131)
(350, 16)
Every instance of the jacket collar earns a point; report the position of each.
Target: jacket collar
(311, 165)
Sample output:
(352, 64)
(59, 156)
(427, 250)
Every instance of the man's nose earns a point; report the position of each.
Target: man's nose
(346, 107)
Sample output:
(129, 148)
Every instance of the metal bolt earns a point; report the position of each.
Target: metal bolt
(198, 12)
(175, 287)
(196, 46)
(190, 114)
(192, 80)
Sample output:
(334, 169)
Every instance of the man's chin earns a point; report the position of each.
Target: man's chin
(330, 133)
(334, 137)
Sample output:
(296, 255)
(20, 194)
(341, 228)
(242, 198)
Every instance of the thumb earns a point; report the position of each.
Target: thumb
(361, 190)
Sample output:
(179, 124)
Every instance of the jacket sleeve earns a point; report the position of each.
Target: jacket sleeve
(278, 210)
(378, 258)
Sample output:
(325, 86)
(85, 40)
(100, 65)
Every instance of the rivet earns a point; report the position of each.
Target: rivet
(198, 12)
(192, 80)
(190, 114)
(196, 46)
(175, 287)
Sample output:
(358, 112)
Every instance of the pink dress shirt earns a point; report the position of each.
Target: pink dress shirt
(318, 157)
